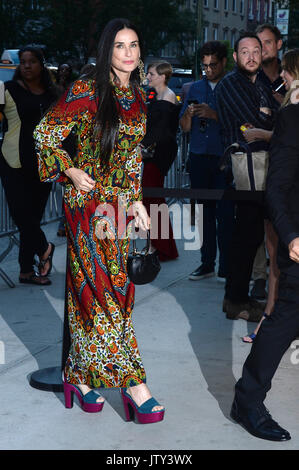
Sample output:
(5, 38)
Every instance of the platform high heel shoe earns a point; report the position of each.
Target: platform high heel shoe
(88, 401)
(144, 412)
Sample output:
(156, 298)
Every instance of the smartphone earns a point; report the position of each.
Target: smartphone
(193, 102)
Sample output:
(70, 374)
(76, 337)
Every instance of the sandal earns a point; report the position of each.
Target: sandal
(88, 401)
(144, 412)
(36, 279)
(43, 262)
(253, 335)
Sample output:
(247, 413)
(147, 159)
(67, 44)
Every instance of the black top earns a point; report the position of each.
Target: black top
(238, 102)
(162, 126)
(262, 77)
(282, 188)
(30, 109)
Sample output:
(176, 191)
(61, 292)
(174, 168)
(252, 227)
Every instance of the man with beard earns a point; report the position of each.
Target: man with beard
(269, 74)
(242, 99)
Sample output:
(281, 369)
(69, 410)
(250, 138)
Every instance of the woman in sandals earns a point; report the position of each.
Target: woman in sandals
(26, 98)
(107, 115)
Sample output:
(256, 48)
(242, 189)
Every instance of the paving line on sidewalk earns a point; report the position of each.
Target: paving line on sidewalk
(24, 359)
(159, 290)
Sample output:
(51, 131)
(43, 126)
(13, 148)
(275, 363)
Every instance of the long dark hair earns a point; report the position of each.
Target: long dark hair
(46, 78)
(107, 117)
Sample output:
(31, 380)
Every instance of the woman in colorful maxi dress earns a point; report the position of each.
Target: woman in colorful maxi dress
(107, 117)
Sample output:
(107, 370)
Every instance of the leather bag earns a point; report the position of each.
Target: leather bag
(142, 266)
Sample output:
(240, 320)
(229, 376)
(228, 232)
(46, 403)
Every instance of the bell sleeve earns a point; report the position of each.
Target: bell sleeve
(63, 118)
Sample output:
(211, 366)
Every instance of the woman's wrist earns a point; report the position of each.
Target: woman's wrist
(69, 171)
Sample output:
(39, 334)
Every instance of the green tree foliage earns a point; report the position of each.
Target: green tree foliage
(70, 29)
(293, 37)
(14, 14)
(159, 21)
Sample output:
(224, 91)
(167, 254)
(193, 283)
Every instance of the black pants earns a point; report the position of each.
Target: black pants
(274, 338)
(218, 217)
(247, 236)
(27, 198)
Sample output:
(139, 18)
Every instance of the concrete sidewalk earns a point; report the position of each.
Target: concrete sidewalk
(192, 354)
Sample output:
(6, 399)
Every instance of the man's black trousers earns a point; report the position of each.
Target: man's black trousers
(273, 339)
(248, 234)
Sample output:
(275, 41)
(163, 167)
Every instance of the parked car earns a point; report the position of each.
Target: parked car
(10, 56)
(178, 78)
(7, 71)
(8, 64)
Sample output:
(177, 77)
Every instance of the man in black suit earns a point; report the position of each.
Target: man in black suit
(282, 326)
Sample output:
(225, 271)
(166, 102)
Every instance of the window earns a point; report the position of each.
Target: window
(250, 10)
(216, 4)
(206, 3)
(266, 9)
(258, 10)
(234, 6)
(234, 37)
(225, 35)
(215, 33)
(225, 5)
(271, 9)
(242, 7)
(205, 33)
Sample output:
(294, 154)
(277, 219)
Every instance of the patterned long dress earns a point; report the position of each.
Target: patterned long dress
(100, 297)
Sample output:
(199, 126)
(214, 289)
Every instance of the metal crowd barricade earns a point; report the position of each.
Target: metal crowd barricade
(8, 230)
(178, 175)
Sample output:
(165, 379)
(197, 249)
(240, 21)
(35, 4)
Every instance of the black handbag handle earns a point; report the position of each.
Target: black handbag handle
(135, 252)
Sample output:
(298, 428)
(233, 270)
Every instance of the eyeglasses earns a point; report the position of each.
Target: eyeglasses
(212, 65)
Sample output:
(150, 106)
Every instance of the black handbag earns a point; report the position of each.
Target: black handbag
(142, 266)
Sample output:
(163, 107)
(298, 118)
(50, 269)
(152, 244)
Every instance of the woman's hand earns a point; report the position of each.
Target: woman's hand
(82, 181)
(295, 96)
(142, 220)
(266, 110)
(294, 250)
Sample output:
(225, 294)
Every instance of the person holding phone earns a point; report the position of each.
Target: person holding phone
(199, 117)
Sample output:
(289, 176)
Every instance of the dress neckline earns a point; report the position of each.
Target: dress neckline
(123, 89)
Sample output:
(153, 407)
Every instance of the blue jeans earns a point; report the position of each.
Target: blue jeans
(218, 216)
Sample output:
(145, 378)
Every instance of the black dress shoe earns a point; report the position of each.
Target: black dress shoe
(259, 423)
(201, 273)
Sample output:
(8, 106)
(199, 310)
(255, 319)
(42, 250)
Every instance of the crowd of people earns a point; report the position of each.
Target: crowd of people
(91, 135)
(246, 107)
